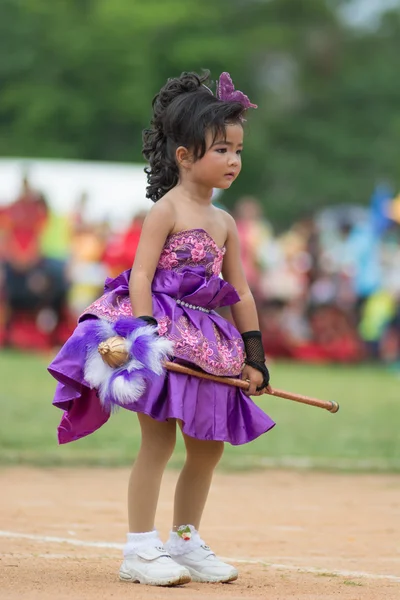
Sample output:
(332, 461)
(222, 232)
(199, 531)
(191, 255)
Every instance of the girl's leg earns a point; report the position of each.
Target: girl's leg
(157, 445)
(195, 480)
(185, 544)
(145, 559)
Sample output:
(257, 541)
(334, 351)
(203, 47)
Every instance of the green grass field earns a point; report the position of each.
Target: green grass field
(364, 435)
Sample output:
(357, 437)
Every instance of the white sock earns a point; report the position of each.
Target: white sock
(177, 545)
(136, 541)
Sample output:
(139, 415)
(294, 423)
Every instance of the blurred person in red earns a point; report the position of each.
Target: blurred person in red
(121, 248)
(34, 283)
(334, 337)
(24, 219)
(24, 281)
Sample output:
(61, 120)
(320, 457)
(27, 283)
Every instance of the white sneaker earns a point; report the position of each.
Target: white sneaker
(205, 567)
(153, 566)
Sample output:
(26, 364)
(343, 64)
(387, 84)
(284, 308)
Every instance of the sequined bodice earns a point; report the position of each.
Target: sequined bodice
(186, 290)
(192, 248)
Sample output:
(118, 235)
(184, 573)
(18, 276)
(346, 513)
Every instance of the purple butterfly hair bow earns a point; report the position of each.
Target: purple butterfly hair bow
(226, 92)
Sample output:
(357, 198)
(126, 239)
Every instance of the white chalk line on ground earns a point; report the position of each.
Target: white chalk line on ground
(247, 561)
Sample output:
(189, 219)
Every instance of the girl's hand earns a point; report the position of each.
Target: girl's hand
(255, 379)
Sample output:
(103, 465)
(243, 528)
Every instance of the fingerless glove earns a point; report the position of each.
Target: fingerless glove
(255, 355)
(149, 320)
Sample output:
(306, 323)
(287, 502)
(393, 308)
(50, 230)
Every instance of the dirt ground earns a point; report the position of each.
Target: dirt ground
(293, 535)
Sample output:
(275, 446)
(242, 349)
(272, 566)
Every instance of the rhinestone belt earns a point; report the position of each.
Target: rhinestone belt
(187, 305)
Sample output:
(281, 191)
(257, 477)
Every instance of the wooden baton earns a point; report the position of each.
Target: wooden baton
(328, 405)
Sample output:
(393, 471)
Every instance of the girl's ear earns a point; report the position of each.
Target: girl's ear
(184, 158)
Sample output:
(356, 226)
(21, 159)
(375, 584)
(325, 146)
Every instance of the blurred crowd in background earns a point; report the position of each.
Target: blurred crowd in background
(327, 288)
(75, 87)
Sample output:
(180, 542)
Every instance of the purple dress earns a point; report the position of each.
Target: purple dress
(186, 289)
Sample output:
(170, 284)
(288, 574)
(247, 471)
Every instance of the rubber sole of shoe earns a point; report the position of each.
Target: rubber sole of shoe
(167, 582)
(199, 578)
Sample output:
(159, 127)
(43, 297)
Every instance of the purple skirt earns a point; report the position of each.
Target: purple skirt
(184, 304)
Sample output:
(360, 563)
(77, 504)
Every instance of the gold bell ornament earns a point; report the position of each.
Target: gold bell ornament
(121, 359)
(114, 351)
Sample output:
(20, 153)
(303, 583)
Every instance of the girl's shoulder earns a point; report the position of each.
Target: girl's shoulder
(163, 209)
(158, 224)
(227, 220)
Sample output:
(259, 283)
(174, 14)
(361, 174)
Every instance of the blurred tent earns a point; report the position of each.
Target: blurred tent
(115, 192)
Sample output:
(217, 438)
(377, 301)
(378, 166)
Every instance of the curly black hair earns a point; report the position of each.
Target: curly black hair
(183, 111)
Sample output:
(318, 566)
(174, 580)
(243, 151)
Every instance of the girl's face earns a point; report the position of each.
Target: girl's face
(222, 162)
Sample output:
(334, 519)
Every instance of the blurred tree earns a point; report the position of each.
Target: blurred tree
(77, 78)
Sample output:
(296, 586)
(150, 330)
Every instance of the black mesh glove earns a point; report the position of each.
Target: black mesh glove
(255, 355)
(150, 321)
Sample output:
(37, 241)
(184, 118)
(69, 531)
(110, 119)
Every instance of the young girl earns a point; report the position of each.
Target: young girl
(194, 144)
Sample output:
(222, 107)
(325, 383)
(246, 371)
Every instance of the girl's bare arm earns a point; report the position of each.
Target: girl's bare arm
(156, 228)
(244, 312)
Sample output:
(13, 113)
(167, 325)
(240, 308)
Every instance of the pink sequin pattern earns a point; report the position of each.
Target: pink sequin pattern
(110, 307)
(163, 325)
(200, 248)
(220, 356)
